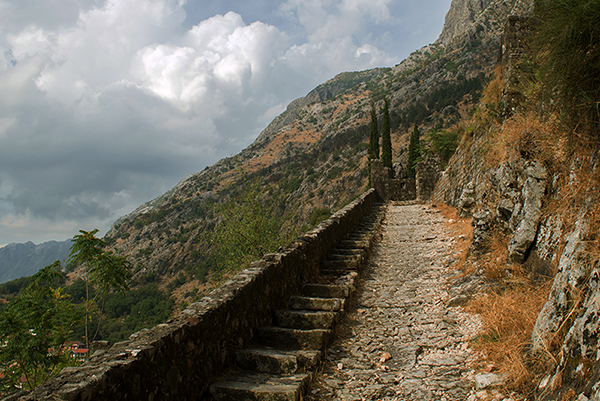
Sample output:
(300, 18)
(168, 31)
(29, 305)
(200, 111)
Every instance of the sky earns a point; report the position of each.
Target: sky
(106, 104)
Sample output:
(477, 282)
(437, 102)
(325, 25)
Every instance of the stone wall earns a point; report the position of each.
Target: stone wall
(403, 189)
(515, 44)
(178, 359)
(428, 173)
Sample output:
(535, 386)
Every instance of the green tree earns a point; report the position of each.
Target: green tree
(374, 136)
(33, 328)
(104, 270)
(568, 41)
(248, 230)
(386, 140)
(443, 143)
(111, 274)
(414, 152)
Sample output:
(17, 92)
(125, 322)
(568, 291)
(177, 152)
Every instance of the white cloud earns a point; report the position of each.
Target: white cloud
(333, 19)
(108, 103)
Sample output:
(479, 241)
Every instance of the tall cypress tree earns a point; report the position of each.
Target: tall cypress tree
(386, 140)
(414, 152)
(374, 136)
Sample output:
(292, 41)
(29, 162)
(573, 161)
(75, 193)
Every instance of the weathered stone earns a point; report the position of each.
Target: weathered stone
(305, 320)
(532, 193)
(261, 388)
(568, 279)
(400, 312)
(267, 361)
(324, 304)
(481, 230)
(487, 380)
(505, 209)
(466, 203)
(325, 291)
(316, 339)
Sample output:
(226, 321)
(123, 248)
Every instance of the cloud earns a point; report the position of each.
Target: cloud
(329, 19)
(109, 103)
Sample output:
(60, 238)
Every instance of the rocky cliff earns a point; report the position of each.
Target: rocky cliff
(530, 187)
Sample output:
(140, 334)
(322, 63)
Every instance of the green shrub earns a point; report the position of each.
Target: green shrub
(568, 42)
(318, 215)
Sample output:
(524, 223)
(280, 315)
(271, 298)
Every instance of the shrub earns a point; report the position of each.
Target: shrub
(318, 215)
(568, 41)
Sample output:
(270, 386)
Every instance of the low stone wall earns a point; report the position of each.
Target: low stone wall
(177, 360)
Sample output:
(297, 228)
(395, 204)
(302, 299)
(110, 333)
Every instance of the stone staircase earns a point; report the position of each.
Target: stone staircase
(284, 357)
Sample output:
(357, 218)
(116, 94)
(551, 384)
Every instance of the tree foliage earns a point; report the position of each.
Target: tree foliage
(443, 144)
(414, 152)
(33, 328)
(386, 140)
(103, 270)
(374, 136)
(248, 230)
(568, 41)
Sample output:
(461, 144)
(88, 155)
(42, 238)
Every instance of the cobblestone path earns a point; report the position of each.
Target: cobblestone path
(399, 340)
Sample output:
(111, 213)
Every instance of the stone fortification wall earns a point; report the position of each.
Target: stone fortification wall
(515, 44)
(428, 174)
(176, 360)
(391, 189)
(403, 189)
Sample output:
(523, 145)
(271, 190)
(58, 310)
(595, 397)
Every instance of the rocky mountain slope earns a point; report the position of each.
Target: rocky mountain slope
(22, 260)
(529, 180)
(312, 159)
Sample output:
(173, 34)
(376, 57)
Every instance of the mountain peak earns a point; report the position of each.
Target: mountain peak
(468, 17)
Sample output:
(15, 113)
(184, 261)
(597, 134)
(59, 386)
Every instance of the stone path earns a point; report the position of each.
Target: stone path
(398, 339)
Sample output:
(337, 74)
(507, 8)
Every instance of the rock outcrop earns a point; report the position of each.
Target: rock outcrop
(467, 18)
(510, 197)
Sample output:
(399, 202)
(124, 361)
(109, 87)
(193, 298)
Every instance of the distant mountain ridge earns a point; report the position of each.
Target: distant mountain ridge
(22, 260)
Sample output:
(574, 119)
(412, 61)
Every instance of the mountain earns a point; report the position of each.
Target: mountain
(312, 159)
(22, 260)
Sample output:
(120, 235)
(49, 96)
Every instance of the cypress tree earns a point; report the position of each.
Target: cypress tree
(374, 136)
(386, 140)
(414, 152)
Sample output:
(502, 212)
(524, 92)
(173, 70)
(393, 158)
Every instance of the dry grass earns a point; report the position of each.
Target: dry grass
(509, 316)
(493, 91)
(528, 137)
(508, 312)
(462, 230)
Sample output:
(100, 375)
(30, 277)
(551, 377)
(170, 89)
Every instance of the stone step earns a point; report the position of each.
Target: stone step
(358, 252)
(279, 337)
(275, 361)
(344, 256)
(325, 291)
(261, 387)
(305, 320)
(340, 265)
(312, 303)
(354, 244)
(266, 360)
